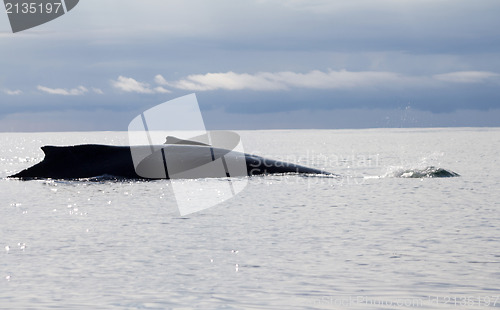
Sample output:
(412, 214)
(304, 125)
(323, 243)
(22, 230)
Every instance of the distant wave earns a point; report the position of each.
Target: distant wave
(427, 172)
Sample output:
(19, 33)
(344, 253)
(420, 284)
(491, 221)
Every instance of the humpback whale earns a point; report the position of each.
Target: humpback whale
(175, 159)
(93, 160)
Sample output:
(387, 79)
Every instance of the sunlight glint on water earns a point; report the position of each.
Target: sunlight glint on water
(285, 242)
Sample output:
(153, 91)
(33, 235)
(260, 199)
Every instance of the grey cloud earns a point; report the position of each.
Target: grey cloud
(131, 85)
(12, 92)
(316, 79)
(78, 91)
(262, 56)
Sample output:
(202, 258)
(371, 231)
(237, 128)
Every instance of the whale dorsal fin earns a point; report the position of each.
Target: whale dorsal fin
(175, 140)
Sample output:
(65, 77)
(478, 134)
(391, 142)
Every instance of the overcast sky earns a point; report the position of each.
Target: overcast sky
(256, 64)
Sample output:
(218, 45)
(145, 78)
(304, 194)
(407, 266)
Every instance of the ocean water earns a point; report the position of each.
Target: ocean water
(365, 240)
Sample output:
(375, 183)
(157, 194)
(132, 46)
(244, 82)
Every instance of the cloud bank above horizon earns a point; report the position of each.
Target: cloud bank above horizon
(256, 56)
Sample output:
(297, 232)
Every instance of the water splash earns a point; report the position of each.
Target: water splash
(427, 172)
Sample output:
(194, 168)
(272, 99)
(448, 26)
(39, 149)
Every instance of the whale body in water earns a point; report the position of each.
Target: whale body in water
(93, 160)
(427, 172)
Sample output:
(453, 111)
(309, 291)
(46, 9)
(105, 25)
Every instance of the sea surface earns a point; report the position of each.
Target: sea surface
(369, 239)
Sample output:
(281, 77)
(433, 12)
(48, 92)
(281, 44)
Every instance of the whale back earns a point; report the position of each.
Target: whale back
(93, 160)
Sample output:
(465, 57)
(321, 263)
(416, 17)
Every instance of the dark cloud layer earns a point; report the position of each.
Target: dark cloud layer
(256, 58)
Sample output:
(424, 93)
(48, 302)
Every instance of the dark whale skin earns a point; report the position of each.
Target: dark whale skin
(81, 161)
(94, 160)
